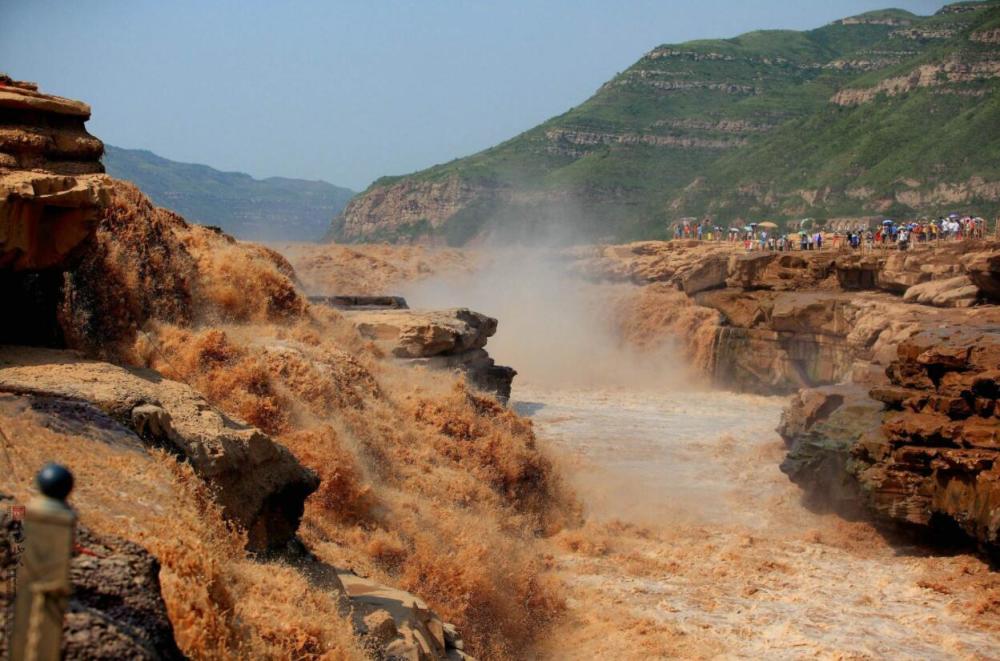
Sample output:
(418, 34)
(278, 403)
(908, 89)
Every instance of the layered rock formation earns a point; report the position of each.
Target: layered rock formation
(921, 450)
(51, 191)
(895, 357)
(441, 339)
(800, 319)
(52, 196)
(45, 132)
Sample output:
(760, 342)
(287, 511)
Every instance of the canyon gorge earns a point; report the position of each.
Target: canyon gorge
(851, 482)
(566, 450)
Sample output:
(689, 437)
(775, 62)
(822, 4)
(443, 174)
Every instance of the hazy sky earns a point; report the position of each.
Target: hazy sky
(352, 90)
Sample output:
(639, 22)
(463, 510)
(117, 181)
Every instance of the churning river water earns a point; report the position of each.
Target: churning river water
(706, 544)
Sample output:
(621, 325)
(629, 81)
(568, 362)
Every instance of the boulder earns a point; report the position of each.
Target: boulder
(957, 292)
(746, 271)
(709, 273)
(810, 312)
(443, 339)
(420, 334)
(394, 624)
(983, 269)
(259, 483)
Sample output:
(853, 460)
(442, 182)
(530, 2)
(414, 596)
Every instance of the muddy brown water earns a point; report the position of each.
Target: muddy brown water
(719, 554)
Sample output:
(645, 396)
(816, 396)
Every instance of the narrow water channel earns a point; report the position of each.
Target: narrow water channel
(696, 545)
(717, 552)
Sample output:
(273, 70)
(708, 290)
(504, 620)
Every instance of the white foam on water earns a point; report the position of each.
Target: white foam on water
(734, 557)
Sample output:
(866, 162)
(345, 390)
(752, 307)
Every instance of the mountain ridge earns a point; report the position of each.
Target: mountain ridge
(719, 127)
(268, 209)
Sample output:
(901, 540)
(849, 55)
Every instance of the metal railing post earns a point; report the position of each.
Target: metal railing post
(43, 583)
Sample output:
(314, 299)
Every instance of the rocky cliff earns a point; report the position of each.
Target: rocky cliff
(918, 450)
(44, 132)
(209, 409)
(790, 320)
(892, 357)
(884, 113)
(52, 196)
(49, 202)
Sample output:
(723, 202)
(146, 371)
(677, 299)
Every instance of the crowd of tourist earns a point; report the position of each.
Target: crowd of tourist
(888, 234)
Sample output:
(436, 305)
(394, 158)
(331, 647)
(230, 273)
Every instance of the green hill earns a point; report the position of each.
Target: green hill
(886, 112)
(255, 209)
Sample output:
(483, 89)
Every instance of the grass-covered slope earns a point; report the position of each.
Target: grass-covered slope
(257, 209)
(882, 112)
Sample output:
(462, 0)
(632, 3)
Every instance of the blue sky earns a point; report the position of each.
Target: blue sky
(349, 91)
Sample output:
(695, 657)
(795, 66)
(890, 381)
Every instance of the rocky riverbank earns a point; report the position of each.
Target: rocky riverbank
(894, 359)
(276, 486)
(890, 358)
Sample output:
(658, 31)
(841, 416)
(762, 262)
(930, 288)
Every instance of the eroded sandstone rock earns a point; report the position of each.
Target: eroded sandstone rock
(941, 431)
(51, 200)
(45, 217)
(394, 624)
(259, 483)
(957, 292)
(921, 450)
(51, 187)
(443, 339)
(45, 132)
(983, 269)
(421, 334)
